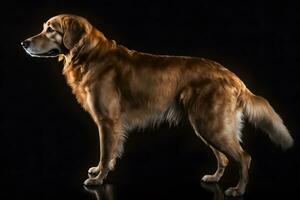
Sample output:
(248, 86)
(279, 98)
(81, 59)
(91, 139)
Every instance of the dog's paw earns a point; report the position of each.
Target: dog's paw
(234, 192)
(94, 170)
(93, 181)
(210, 178)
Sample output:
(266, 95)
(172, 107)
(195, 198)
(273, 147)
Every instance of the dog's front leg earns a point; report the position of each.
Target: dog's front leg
(109, 143)
(105, 110)
(94, 171)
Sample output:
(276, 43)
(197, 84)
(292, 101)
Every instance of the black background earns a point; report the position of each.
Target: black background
(48, 142)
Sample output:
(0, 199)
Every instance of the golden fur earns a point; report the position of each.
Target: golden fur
(122, 89)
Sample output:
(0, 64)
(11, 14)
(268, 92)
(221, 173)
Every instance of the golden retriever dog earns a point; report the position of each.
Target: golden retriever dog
(123, 89)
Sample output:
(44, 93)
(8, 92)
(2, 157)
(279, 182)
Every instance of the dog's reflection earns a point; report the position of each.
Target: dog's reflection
(104, 192)
(216, 190)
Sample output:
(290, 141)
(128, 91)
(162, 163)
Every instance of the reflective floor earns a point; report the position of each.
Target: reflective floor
(167, 163)
(130, 183)
(142, 191)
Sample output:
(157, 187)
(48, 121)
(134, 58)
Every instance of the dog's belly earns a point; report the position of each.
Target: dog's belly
(152, 114)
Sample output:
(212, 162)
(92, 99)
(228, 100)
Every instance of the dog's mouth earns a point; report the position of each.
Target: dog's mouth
(52, 53)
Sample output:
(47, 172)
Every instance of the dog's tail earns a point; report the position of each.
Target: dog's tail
(261, 114)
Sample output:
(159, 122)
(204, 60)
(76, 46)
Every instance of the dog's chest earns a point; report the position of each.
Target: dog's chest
(74, 77)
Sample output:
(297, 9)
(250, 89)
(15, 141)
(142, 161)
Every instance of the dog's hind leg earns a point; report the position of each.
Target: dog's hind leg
(213, 112)
(222, 163)
(227, 143)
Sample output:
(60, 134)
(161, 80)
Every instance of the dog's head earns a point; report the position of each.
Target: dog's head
(60, 35)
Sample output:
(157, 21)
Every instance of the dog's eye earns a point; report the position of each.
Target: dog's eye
(49, 30)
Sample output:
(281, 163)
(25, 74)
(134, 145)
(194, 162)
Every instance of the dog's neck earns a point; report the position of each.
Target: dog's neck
(93, 44)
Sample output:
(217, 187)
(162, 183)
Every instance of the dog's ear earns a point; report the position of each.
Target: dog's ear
(73, 32)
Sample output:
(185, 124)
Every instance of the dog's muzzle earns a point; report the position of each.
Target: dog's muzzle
(51, 53)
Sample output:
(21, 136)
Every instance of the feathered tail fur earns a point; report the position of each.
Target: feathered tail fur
(260, 113)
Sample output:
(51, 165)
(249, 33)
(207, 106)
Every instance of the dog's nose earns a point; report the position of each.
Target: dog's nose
(25, 44)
